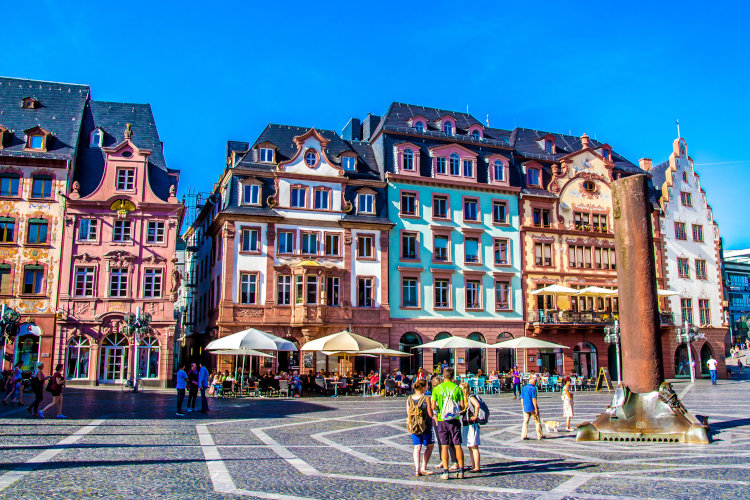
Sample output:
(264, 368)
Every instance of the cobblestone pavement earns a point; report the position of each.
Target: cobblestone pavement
(116, 445)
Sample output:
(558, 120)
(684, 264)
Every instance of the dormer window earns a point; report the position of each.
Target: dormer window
(549, 146)
(36, 138)
(607, 154)
(534, 177)
(251, 194)
(366, 203)
(455, 164)
(349, 163)
(408, 160)
(448, 128)
(419, 127)
(95, 140)
(476, 134)
(266, 155)
(311, 158)
(29, 103)
(498, 171)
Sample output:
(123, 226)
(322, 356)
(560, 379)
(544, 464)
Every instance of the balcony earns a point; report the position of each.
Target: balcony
(586, 318)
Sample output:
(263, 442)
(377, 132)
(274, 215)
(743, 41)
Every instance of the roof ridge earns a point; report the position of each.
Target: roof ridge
(45, 81)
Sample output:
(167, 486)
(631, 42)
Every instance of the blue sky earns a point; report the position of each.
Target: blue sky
(214, 71)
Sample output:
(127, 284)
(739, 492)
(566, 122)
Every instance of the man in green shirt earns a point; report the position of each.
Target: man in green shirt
(447, 403)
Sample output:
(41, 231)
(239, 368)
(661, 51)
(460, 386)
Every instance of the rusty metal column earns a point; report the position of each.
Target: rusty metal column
(643, 369)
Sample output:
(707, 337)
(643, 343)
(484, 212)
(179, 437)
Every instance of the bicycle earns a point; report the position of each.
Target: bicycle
(128, 386)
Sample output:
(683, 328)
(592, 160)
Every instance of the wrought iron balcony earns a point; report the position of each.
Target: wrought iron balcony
(586, 318)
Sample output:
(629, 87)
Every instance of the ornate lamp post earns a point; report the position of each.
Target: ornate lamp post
(612, 336)
(688, 334)
(9, 320)
(135, 324)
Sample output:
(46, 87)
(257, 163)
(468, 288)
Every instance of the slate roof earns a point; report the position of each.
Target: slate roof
(59, 111)
(282, 136)
(112, 118)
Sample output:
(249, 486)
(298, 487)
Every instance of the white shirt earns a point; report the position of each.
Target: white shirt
(712, 364)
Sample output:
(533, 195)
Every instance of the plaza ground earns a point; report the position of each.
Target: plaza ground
(116, 445)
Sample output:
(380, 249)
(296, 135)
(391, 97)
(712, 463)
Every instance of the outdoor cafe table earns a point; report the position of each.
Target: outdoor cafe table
(364, 384)
(336, 384)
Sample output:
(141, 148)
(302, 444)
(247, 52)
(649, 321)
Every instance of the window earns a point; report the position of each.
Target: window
(606, 154)
(419, 126)
(409, 246)
(455, 164)
(7, 229)
(155, 232)
(476, 134)
(409, 204)
(499, 212)
(541, 217)
(118, 282)
(312, 289)
(471, 250)
(448, 128)
(266, 155)
(322, 197)
(249, 240)
(704, 309)
(589, 186)
(248, 288)
(679, 231)
(366, 203)
(299, 289)
(148, 357)
(686, 307)
(121, 230)
(309, 243)
(78, 357)
(501, 252)
(95, 139)
(407, 161)
(152, 279)
(440, 252)
(6, 280)
(582, 221)
(36, 141)
(283, 290)
(684, 177)
(364, 292)
(698, 233)
(251, 194)
(440, 165)
(349, 163)
(686, 199)
(125, 179)
(499, 171)
(441, 293)
(502, 295)
(549, 146)
(332, 247)
(471, 209)
(311, 157)
(286, 241)
(599, 223)
(700, 269)
(439, 207)
(333, 289)
(37, 231)
(299, 197)
(87, 229)
(683, 268)
(41, 186)
(84, 282)
(410, 292)
(9, 184)
(468, 168)
(543, 254)
(533, 177)
(365, 246)
(472, 291)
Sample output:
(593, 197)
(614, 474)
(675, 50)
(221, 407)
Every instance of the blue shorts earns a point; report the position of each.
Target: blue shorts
(422, 439)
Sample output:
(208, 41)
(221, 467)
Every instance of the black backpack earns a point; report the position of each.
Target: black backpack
(484, 412)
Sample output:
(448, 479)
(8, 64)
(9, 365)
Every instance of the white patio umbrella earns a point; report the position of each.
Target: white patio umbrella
(455, 343)
(243, 353)
(251, 339)
(382, 351)
(342, 341)
(596, 291)
(529, 343)
(555, 290)
(666, 293)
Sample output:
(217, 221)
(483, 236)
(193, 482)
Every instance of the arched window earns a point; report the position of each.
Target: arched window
(114, 358)
(455, 164)
(27, 351)
(408, 162)
(499, 171)
(705, 355)
(411, 364)
(476, 336)
(419, 126)
(148, 357)
(311, 157)
(443, 335)
(448, 128)
(476, 134)
(79, 349)
(95, 141)
(440, 355)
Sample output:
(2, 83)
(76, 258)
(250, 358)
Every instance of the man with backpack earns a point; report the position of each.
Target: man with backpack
(446, 402)
(419, 424)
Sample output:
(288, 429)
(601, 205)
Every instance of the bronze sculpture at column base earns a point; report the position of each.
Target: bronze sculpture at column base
(656, 416)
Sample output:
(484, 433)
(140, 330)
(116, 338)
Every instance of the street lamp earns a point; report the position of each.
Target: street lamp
(612, 336)
(135, 324)
(688, 334)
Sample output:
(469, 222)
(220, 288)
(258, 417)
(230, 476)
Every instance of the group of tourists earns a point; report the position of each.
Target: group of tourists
(16, 380)
(192, 381)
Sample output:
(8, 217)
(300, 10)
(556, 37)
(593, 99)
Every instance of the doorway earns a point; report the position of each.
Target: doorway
(440, 355)
(584, 360)
(410, 365)
(114, 356)
(475, 357)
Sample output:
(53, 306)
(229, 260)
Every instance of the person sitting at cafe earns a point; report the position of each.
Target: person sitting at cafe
(296, 385)
(374, 381)
(494, 376)
(398, 378)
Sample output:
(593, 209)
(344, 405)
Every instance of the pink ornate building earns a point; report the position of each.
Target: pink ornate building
(121, 225)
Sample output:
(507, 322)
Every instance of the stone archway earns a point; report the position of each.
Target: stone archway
(706, 353)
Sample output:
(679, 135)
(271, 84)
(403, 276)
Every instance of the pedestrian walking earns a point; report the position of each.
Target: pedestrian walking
(739, 365)
(470, 427)
(37, 387)
(14, 387)
(530, 409)
(447, 399)
(712, 365)
(419, 424)
(55, 387)
(203, 384)
(182, 380)
(567, 398)
(192, 387)
(516, 382)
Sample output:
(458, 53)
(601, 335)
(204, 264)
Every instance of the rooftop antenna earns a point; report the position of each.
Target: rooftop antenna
(467, 109)
(488, 119)
(678, 128)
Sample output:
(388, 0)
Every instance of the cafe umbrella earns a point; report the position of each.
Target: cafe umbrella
(529, 343)
(243, 353)
(251, 339)
(383, 351)
(455, 343)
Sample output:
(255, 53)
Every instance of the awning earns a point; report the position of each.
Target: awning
(29, 329)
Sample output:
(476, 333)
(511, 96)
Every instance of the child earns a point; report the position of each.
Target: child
(567, 398)
(425, 439)
(470, 428)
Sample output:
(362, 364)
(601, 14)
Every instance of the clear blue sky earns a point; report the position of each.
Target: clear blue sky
(214, 71)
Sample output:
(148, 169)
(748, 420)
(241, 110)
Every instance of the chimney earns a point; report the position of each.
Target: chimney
(584, 141)
(646, 164)
(369, 126)
(353, 130)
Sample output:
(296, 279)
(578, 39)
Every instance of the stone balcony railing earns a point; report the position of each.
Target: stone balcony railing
(586, 318)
